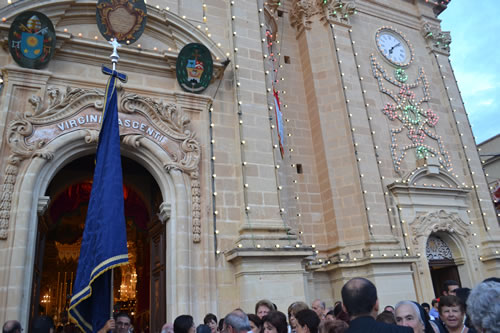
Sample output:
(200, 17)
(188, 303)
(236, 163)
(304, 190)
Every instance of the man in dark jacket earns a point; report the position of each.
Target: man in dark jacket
(360, 300)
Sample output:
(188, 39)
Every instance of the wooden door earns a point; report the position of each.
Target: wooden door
(442, 270)
(37, 269)
(158, 276)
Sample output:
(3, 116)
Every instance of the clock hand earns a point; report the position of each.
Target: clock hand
(392, 48)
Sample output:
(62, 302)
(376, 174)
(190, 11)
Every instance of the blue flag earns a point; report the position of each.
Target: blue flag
(104, 242)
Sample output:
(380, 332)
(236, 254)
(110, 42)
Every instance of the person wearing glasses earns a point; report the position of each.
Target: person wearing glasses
(121, 324)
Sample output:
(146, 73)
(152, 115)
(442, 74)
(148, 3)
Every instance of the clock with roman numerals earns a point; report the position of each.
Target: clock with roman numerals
(394, 47)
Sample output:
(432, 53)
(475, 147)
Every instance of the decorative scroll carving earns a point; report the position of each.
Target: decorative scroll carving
(79, 109)
(61, 105)
(302, 12)
(437, 249)
(437, 40)
(17, 131)
(428, 223)
(338, 10)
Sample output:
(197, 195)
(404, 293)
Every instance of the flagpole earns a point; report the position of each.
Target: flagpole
(114, 60)
(87, 307)
(112, 298)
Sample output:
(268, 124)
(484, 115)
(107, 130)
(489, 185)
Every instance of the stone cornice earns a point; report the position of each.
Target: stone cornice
(404, 188)
(290, 252)
(375, 260)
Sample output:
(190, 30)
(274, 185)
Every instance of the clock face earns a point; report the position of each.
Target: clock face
(394, 47)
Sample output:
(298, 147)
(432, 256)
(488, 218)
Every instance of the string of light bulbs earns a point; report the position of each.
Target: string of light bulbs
(353, 130)
(375, 147)
(460, 136)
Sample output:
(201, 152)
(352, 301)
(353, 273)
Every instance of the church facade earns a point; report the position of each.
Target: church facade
(332, 142)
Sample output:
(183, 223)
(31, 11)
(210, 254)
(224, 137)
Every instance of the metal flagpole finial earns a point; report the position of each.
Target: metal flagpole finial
(114, 56)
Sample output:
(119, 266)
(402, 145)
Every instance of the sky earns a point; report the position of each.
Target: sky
(475, 58)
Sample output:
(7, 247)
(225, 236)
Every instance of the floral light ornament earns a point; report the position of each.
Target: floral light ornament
(415, 120)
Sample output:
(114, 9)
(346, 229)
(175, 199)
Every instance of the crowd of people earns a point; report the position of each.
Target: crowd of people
(459, 310)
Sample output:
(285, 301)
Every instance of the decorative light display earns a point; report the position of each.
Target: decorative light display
(415, 120)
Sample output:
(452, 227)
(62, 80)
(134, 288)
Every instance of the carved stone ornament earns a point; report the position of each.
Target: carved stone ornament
(302, 12)
(337, 11)
(140, 119)
(437, 249)
(429, 223)
(17, 131)
(436, 39)
(272, 6)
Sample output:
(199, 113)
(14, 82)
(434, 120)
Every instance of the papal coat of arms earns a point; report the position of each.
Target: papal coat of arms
(194, 67)
(32, 40)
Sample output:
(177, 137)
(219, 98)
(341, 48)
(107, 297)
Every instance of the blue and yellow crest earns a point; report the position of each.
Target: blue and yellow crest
(31, 45)
(32, 40)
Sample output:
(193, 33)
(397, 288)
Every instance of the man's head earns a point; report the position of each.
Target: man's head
(307, 321)
(435, 303)
(449, 287)
(389, 308)
(426, 307)
(12, 326)
(184, 324)
(360, 297)
(319, 307)
(236, 322)
(122, 322)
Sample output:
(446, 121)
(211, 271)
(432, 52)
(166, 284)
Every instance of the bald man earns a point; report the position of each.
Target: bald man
(12, 326)
(360, 300)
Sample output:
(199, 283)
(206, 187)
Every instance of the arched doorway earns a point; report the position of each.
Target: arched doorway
(441, 263)
(60, 230)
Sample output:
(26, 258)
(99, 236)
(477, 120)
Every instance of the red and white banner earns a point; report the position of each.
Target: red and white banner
(279, 121)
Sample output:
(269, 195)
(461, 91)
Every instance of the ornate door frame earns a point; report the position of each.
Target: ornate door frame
(35, 159)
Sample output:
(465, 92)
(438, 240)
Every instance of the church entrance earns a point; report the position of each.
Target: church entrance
(59, 236)
(441, 263)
